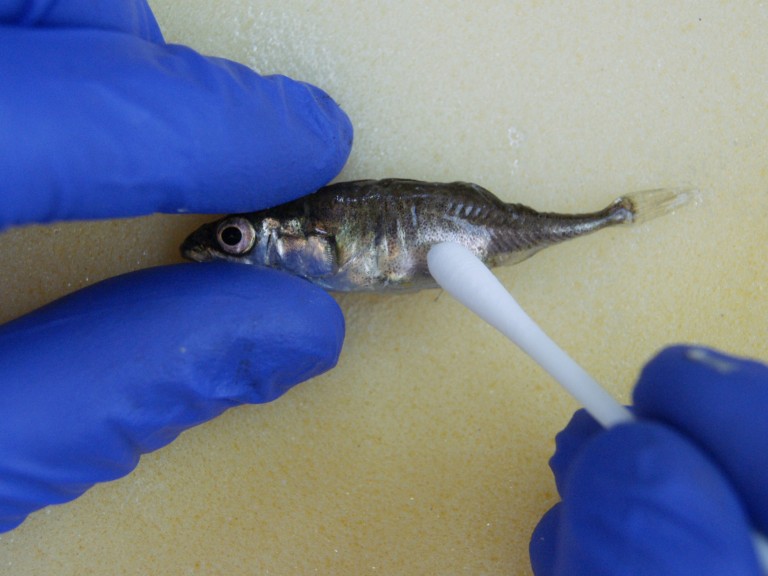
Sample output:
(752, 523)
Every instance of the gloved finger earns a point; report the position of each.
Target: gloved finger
(640, 499)
(129, 16)
(718, 401)
(569, 442)
(103, 124)
(94, 380)
(542, 548)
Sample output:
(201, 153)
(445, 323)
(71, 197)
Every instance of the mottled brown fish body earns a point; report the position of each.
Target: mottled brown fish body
(374, 235)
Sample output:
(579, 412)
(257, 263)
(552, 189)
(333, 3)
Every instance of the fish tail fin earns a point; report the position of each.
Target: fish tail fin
(646, 205)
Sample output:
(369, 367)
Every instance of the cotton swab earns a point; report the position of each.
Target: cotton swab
(467, 279)
(460, 273)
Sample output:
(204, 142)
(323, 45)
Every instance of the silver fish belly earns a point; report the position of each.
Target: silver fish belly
(374, 235)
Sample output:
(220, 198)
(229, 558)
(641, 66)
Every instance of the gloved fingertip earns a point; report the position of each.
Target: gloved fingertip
(542, 548)
(642, 498)
(569, 441)
(231, 140)
(718, 401)
(681, 371)
(324, 116)
(92, 381)
(241, 333)
(282, 137)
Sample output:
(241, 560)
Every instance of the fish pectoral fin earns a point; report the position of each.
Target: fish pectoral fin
(324, 249)
(312, 256)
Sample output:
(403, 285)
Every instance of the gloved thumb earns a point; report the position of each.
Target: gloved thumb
(640, 499)
(94, 380)
(718, 401)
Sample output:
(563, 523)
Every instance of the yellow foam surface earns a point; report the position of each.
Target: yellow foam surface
(425, 451)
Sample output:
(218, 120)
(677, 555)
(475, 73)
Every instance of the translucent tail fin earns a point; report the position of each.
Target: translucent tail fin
(646, 205)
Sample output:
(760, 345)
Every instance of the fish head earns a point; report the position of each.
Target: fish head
(232, 238)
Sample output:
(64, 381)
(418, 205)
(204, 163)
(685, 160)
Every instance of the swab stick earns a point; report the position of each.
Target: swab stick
(466, 278)
(460, 273)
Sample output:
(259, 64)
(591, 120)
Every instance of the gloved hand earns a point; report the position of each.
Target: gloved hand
(676, 493)
(100, 118)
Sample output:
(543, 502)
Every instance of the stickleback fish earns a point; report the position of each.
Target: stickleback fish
(374, 235)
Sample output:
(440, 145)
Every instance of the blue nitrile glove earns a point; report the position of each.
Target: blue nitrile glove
(677, 492)
(98, 117)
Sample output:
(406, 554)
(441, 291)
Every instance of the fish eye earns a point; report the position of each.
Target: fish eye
(231, 236)
(236, 235)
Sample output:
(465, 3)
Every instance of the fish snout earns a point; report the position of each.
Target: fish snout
(197, 246)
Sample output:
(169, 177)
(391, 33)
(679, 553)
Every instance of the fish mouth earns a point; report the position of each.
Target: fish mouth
(196, 254)
(195, 246)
